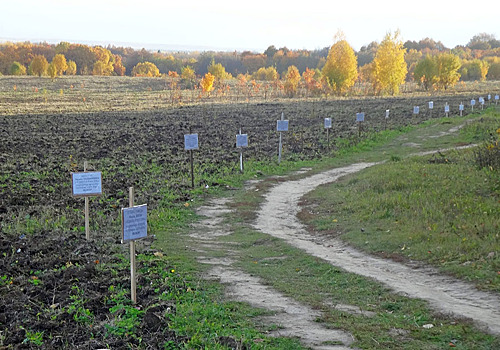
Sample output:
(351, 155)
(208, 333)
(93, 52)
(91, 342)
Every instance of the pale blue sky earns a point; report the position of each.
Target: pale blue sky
(236, 25)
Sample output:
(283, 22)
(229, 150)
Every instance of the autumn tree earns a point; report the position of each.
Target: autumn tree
(292, 79)
(188, 77)
(341, 67)
(389, 66)
(39, 65)
(104, 63)
(71, 70)
(17, 69)
(265, 74)
(52, 70)
(118, 67)
(218, 71)
(145, 69)
(207, 82)
(60, 64)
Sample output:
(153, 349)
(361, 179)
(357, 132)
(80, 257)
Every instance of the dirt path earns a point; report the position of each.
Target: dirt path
(277, 217)
(293, 319)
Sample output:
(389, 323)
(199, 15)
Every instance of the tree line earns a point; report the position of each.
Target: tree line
(335, 68)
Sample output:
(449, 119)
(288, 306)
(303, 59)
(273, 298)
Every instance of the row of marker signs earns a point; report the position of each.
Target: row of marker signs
(134, 219)
(88, 184)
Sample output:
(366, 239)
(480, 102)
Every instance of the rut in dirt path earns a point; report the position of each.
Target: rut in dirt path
(293, 318)
(277, 217)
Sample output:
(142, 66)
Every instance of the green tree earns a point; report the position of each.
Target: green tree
(474, 70)
(341, 67)
(39, 65)
(265, 74)
(218, 71)
(447, 70)
(425, 72)
(389, 66)
(17, 69)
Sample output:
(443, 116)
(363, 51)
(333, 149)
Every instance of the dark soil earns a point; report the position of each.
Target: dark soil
(57, 285)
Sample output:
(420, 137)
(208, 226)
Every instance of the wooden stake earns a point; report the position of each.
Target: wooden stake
(87, 220)
(133, 286)
(279, 149)
(241, 157)
(328, 138)
(192, 167)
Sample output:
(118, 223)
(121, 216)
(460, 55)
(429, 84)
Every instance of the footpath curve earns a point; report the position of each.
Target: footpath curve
(277, 217)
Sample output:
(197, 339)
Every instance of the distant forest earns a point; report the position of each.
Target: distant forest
(25, 58)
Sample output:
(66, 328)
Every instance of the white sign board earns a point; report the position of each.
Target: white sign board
(387, 114)
(447, 109)
(489, 97)
(134, 222)
(472, 102)
(86, 184)
(481, 100)
(242, 140)
(360, 117)
(416, 109)
(328, 123)
(431, 104)
(497, 97)
(190, 141)
(461, 107)
(282, 125)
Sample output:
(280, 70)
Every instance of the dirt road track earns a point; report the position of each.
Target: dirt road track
(277, 217)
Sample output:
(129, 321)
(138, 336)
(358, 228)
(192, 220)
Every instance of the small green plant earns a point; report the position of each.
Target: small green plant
(77, 307)
(35, 338)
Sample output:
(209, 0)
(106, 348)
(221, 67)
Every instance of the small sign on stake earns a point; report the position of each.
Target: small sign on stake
(190, 144)
(86, 184)
(134, 226)
(481, 101)
(241, 141)
(416, 110)
(328, 126)
(431, 104)
(497, 97)
(461, 108)
(360, 118)
(446, 109)
(472, 104)
(281, 125)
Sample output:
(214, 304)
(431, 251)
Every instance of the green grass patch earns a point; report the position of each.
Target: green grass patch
(442, 209)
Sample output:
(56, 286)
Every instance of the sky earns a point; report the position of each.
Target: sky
(228, 25)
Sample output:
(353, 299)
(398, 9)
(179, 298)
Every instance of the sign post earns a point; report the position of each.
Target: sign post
(281, 125)
(446, 109)
(461, 108)
(497, 97)
(241, 141)
(360, 118)
(481, 101)
(86, 184)
(386, 118)
(472, 103)
(328, 126)
(191, 143)
(134, 226)
(431, 107)
(416, 110)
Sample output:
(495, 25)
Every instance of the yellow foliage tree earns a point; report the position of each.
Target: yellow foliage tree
(341, 67)
(38, 66)
(292, 81)
(71, 70)
(52, 70)
(60, 64)
(207, 82)
(389, 66)
(218, 71)
(187, 73)
(145, 69)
